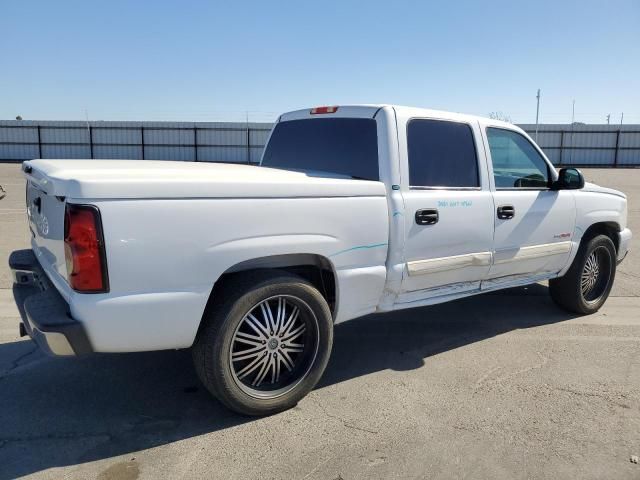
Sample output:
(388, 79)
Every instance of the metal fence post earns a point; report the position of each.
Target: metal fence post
(142, 140)
(615, 156)
(561, 147)
(195, 143)
(90, 142)
(248, 144)
(39, 144)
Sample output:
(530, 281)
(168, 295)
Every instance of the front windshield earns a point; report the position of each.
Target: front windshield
(334, 146)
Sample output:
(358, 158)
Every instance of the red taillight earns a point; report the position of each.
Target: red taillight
(84, 249)
(319, 110)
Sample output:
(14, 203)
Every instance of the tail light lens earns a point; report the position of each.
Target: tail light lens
(84, 249)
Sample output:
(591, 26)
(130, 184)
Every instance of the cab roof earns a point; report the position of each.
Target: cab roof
(370, 110)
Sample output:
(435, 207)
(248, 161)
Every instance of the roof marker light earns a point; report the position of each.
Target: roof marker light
(320, 110)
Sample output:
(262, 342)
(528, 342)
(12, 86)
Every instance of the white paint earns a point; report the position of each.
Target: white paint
(172, 228)
(124, 179)
(540, 217)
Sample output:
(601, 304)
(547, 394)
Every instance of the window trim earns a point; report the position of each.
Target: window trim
(535, 147)
(437, 187)
(418, 187)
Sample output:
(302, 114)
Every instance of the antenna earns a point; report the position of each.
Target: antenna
(86, 118)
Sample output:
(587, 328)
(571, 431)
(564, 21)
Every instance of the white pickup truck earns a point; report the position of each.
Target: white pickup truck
(354, 210)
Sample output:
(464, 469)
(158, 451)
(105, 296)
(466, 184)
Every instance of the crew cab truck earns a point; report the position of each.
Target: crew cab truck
(353, 210)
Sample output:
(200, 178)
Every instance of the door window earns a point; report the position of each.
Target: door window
(516, 163)
(441, 154)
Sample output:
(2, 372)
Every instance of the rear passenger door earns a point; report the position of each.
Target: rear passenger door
(448, 208)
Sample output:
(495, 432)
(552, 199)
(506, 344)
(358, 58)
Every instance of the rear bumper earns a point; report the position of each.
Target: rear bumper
(624, 242)
(45, 314)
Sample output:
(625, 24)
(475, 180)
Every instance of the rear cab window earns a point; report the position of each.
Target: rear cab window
(334, 147)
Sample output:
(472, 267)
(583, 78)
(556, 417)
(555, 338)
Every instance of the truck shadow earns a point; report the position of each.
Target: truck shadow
(63, 412)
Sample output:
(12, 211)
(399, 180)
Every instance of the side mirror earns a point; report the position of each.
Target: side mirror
(568, 179)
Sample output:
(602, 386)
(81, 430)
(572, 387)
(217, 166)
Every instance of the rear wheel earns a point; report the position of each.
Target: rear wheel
(266, 345)
(586, 285)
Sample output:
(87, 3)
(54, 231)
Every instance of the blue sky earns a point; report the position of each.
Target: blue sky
(204, 60)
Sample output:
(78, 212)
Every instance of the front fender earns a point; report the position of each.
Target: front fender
(593, 208)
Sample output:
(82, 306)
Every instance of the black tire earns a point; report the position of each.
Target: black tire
(225, 325)
(568, 291)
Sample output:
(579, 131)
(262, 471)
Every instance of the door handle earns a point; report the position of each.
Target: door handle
(427, 216)
(506, 212)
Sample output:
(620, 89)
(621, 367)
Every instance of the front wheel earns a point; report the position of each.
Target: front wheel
(266, 345)
(586, 285)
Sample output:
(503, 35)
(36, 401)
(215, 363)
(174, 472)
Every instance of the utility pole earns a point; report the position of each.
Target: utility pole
(573, 111)
(608, 119)
(537, 113)
(573, 118)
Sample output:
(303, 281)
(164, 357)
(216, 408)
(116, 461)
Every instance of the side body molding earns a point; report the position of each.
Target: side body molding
(533, 251)
(421, 267)
(433, 265)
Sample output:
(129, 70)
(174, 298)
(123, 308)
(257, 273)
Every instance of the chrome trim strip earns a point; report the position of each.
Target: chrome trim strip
(534, 251)
(433, 265)
(414, 187)
(481, 259)
(528, 189)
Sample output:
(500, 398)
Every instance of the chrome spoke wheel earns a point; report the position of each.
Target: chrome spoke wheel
(595, 276)
(274, 346)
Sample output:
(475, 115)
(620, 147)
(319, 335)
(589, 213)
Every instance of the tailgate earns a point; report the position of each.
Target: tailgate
(45, 213)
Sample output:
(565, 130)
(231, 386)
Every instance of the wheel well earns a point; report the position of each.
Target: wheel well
(610, 229)
(316, 269)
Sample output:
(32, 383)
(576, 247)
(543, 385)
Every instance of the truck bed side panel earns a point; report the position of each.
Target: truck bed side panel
(164, 256)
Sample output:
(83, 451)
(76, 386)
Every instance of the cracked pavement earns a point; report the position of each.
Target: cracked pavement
(501, 386)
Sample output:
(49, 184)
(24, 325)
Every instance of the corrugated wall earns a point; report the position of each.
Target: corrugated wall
(588, 145)
(187, 141)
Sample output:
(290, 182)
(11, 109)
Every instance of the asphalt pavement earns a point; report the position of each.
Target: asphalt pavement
(501, 386)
